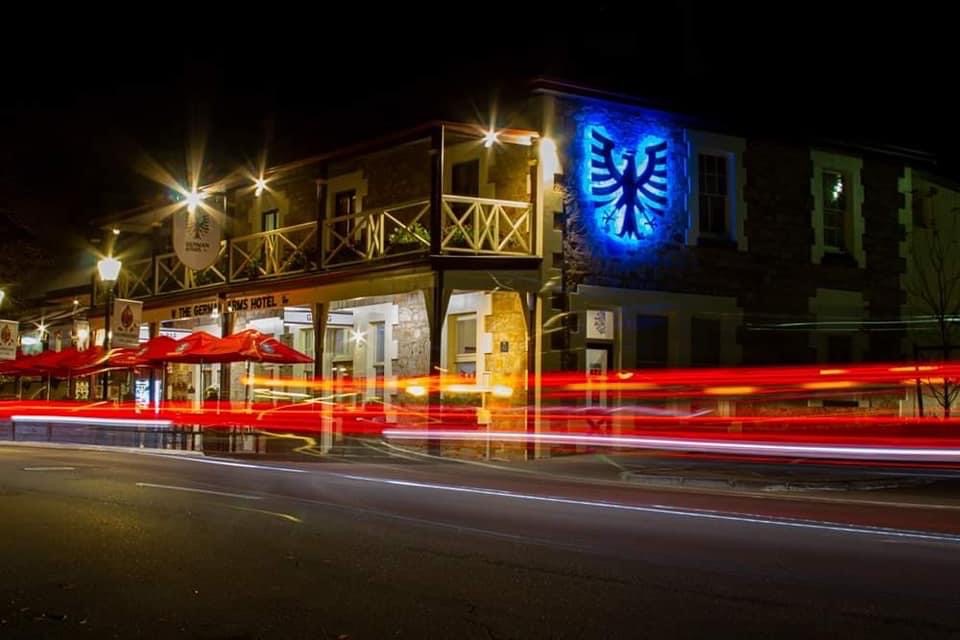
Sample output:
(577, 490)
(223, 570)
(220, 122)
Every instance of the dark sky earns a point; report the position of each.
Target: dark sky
(85, 97)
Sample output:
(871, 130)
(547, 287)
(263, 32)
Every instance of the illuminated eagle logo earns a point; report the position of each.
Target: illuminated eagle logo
(6, 336)
(633, 191)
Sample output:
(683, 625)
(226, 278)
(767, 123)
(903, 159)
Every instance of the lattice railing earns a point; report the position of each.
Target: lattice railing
(136, 279)
(375, 234)
(171, 275)
(486, 226)
(273, 253)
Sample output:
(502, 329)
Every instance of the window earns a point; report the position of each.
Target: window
(558, 259)
(344, 204)
(559, 220)
(834, 210)
(652, 335)
(717, 211)
(378, 332)
(270, 220)
(308, 342)
(464, 338)
(836, 185)
(713, 192)
(341, 345)
(465, 179)
(706, 339)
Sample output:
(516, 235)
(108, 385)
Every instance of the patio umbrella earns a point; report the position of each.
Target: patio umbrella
(254, 346)
(194, 349)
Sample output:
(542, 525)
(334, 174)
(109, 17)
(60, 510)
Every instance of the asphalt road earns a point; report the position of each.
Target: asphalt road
(123, 544)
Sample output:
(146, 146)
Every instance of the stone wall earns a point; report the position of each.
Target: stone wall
(509, 172)
(396, 176)
(294, 196)
(412, 334)
(775, 278)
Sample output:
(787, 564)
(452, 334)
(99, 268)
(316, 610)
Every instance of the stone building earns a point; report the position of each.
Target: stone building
(592, 234)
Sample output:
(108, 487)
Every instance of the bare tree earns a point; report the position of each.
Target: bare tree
(936, 285)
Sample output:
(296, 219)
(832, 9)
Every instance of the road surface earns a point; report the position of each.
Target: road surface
(121, 544)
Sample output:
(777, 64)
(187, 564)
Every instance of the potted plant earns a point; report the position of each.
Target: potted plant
(406, 238)
(299, 261)
(461, 236)
(203, 278)
(254, 268)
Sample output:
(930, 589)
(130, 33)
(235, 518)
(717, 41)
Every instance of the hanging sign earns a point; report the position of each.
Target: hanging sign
(196, 238)
(125, 323)
(9, 337)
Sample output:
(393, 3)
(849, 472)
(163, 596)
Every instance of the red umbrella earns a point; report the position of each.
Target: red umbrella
(150, 353)
(38, 364)
(192, 349)
(253, 346)
(51, 362)
(7, 366)
(86, 362)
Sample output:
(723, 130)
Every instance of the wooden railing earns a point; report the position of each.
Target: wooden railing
(486, 226)
(473, 226)
(375, 234)
(273, 253)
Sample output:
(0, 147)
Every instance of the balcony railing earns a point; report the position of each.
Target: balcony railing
(136, 279)
(273, 253)
(486, 226)
(376, 234)
(469, 226)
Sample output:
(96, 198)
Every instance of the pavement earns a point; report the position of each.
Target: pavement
(117, 543)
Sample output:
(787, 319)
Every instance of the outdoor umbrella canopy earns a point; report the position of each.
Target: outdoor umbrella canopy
(87, 362)
(53, 362)
(254, 346)
(7, 366)
(193, 350)
(39, 364)
(150, 353)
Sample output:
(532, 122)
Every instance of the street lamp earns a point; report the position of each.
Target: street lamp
(109, 269)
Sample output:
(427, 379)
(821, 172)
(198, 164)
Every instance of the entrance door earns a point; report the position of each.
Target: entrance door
(597, 365)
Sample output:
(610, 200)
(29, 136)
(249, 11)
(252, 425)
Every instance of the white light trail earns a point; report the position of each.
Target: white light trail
(745, 518)
(92, 420)
(928, 454)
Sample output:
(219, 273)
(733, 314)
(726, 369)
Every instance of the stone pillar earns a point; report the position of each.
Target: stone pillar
(436, 298)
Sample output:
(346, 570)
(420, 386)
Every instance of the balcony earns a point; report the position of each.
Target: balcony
(395, 201)
(268, 254)
(470, 226)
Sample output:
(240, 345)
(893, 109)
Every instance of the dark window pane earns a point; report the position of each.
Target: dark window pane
(465, 179)
(840, 348)
(706, 341)
(652, 337)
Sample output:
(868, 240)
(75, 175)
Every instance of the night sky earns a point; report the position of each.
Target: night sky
(85, 98)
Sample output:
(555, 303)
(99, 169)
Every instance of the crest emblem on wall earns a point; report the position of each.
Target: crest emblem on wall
(630, 195)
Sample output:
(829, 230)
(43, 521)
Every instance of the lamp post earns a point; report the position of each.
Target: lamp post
(109, 269)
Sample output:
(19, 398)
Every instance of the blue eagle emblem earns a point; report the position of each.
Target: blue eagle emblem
(636, 191)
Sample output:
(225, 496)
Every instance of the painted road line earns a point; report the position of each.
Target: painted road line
(172, 487)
